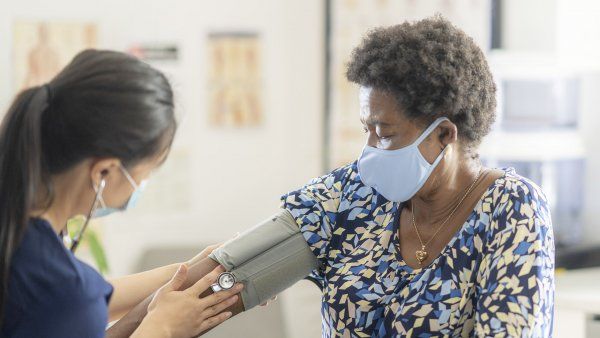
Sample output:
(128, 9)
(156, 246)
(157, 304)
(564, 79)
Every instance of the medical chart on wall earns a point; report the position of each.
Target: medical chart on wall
(42, 49)
(234, 79)
(350, 21)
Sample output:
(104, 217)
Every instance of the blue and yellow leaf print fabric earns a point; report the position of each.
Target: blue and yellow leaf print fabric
(495, 277)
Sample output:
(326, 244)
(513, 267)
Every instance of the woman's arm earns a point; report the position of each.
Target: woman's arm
(133, 289)
(129, 323)
(311, 208)
(516, 278)
(267, 258)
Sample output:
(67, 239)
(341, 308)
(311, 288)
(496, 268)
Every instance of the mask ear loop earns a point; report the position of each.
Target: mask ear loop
(429, 130)
(97, 199)
(129, 178)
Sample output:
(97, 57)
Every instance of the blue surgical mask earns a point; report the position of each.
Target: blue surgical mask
(398, 174)
(104, 210)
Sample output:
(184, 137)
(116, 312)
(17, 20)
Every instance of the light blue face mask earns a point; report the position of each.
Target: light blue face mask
(104, 210)
(398, 174)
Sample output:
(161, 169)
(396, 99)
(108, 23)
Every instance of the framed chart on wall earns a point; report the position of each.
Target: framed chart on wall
(41, 49)
(347, 21)
(235, 79)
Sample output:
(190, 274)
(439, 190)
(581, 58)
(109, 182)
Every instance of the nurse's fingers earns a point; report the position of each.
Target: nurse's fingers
(178, 279)
(219, 307)
(211, 322)
(205, 282)
(219, 297)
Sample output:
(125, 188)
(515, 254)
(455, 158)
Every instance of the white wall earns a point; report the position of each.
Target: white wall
(578, 46)
(562, 35)
(529, 25)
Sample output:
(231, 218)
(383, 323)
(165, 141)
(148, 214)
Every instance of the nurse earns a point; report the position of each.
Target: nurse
(85, 143)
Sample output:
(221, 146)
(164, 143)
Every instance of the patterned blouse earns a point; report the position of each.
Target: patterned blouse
(494, 278)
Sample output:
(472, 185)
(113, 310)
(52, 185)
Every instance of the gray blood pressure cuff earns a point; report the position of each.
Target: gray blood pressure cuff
(268, 258)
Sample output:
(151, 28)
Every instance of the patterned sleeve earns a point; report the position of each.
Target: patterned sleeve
(516, 278)
(314, 207)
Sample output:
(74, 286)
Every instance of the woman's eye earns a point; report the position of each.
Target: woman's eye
(365, 130)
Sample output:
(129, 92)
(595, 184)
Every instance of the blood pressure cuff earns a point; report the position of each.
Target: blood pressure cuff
(268, 258)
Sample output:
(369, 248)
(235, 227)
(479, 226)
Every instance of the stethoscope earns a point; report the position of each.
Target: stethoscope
(77, 238)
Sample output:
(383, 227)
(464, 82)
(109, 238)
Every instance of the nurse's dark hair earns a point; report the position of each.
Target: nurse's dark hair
(103, 104)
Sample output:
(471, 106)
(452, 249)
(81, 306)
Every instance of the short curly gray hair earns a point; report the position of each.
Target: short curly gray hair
(433, 69)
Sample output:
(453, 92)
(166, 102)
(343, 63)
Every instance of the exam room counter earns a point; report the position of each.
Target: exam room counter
(577, 303)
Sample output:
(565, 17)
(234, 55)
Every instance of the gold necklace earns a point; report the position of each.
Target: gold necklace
(423, 254)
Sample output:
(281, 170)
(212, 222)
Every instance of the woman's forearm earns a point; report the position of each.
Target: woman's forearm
(128, 324)
(132, 289)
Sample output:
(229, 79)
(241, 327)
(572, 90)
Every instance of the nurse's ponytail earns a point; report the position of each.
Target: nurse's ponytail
(21, 172)
(102, 105)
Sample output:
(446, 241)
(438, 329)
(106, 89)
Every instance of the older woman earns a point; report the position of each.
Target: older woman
(417, 238)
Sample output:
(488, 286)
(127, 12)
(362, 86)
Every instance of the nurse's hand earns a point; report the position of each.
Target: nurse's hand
(208, 250)
(175, 313)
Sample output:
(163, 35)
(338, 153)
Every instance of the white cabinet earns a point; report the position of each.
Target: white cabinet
(577, 304)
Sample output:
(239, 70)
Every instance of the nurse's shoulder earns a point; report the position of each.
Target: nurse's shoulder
(49, 287)
(42, 265)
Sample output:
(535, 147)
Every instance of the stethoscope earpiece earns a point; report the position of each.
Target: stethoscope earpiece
(99, 190)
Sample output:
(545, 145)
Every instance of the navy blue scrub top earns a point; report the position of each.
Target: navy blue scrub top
(50, 292)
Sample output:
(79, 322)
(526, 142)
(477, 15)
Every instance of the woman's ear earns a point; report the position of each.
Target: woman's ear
(448, 133)
(103, 169)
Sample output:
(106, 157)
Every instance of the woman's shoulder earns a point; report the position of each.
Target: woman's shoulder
(339, 177)
(516, 204)
(515, 193)
(49, 288)
(327, 187)
(42, 264)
